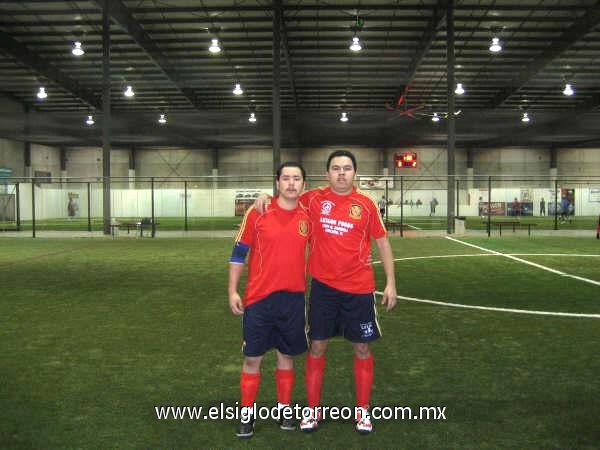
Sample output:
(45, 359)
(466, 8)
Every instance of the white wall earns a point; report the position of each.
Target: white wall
(135, 203)
(87, 162)
(512, 161)
(44, 158)
(11, 156)
(578, 162)
(173, 162)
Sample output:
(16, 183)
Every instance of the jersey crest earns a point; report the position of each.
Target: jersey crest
(355, 212)
(303, 228)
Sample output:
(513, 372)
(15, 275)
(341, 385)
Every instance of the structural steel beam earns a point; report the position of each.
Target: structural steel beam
(573, 34)
(437, 18)
(124, 18)
(560, 123)
(45, 69)
(288, 62)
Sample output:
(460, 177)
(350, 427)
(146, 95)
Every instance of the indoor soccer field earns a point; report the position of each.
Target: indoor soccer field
(502, 332)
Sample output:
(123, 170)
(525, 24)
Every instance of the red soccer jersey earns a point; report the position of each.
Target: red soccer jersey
(340, 244)
(277, 241)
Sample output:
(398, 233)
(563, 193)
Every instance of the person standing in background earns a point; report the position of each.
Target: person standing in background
(382, 206)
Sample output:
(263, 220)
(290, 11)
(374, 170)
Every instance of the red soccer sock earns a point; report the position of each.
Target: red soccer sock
(249, 383)
(363, 380)
(315, 367)
(284, 378)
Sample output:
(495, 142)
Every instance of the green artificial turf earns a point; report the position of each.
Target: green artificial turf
(97, 332)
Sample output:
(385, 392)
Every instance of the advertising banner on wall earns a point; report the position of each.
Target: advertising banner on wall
(496, 209)
(594, 195)
(526, 195)
(367, 183)
(5, 173)
(244, 199)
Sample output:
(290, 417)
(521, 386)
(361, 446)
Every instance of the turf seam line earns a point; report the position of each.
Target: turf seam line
(436, 257)
(524, 261)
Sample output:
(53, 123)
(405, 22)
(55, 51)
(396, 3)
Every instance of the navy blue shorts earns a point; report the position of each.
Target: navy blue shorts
(276, 321)
(338, 313)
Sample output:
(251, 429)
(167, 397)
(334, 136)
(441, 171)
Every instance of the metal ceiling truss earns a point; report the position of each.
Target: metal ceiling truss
(161, 49)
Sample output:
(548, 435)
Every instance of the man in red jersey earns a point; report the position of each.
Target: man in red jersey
(343, 222)
(273, 304)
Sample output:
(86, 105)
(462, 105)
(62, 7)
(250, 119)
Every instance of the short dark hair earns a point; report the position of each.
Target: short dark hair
(290, 164)
(338, 153)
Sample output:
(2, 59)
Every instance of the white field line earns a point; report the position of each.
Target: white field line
(576, 255)
(491, 308)
(539, 266)
(413, 227)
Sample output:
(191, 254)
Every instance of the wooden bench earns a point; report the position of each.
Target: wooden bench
(140, 225)
(510, 223)
(394, 225)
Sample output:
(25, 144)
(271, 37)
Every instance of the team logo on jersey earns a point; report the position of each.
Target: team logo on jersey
(367, 330)
(303, 228)
(326, 207)
(355, 212)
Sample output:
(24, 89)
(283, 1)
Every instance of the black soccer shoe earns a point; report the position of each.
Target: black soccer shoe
(245, 428)
(286, 424)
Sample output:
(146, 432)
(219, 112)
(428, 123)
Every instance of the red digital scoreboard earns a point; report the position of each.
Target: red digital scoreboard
(405, 159)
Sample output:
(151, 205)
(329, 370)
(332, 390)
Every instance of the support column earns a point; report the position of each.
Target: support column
(28, 172)
(131, 171)
(450, 58)
(553, 166)
(63, 166)
(470, 158)
(106, 117)
(276, 105)
(215, 169)
(385, 161)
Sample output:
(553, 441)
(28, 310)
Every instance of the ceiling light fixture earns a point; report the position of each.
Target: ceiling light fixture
(77, 49)
(525, 118)
(41, 94)
(252, 118)
(128, 92)
(355, 46)
(238, 89)
(496, 46)
(90, 120)
(568, 91)
(344, 117)
(435, 117)
(459, 89)
(214, 47)
(162, 119)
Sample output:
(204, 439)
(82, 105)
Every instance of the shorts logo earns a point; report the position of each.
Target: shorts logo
(326, 207)
(367, 329)
(303, 228)
(355, 212)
